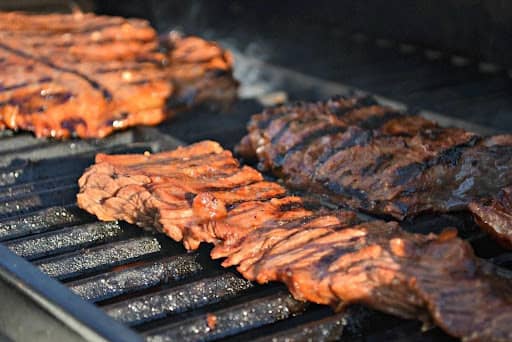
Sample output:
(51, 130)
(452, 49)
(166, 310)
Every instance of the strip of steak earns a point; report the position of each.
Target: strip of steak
(383, 162)
(429, 277)
(88, 75)
(200, 193)
(182, 191)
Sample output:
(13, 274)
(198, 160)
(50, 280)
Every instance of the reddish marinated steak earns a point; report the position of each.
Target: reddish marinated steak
(89, 75)
(383, 162)
(200, 194)
(181, 192)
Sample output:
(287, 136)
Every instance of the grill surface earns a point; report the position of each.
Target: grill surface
(148, 282)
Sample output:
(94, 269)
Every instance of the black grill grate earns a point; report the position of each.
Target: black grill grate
(148, 282)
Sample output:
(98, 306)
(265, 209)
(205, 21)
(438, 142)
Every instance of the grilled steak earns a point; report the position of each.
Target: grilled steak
(89, 75)
(178, 192)
(200, 194)
(329, 261)
(383, 162)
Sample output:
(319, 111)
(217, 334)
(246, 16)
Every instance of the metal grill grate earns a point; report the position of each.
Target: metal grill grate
(148, 282)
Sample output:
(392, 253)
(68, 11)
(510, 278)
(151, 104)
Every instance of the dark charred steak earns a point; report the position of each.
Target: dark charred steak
(89, 75)
(383, 162)
(200, 194)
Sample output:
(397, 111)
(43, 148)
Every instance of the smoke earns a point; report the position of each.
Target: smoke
(249, 51)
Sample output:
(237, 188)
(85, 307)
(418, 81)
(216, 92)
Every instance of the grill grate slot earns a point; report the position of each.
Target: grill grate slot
(42, 221)
(112, 284)
(37, 187)
(230, 321)
(67, 239)
(16, 206)
(319, 323)
(203, 292)
(99, 258)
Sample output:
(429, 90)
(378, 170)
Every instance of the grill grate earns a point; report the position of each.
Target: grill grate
(150, 283)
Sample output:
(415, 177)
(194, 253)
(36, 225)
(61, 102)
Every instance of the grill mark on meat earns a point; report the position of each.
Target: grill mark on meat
(103, 70)
(42, 80)
(369, 122)
(280, 159)
(380, 163)
(339, 106)
(360, 138)
(359, 102)
(83, 29)
(94, 84)
(346, 191)
(32, 103)
(326, 257)
(449, 157)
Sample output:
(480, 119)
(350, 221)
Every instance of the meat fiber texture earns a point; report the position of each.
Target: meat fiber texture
(85, 75)
(200, 193)
(383, 162)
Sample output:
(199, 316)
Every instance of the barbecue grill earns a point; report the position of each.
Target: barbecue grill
(66, 276)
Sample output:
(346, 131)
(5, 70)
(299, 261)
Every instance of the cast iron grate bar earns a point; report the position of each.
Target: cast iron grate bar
(152, 274)
(52, 149)
(320, 323)
(66, 239)
(16, 206)
(42, 221)
(186, 297)
(37, 187)
(99, 258)
(326, 329)
(230, 321)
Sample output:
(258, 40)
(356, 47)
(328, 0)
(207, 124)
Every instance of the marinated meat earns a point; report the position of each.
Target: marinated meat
(386, 163)
(182, 191)
(200, 193)
(88, 75)
(329, 261)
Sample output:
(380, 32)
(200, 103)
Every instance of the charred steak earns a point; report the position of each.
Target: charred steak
(87, 75)
(386, 163)
(200, 194)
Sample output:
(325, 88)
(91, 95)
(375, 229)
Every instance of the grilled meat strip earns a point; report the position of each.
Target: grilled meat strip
(184, 193)
(199, 193)
(88, 75)
(383, 162)
(326, 260)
